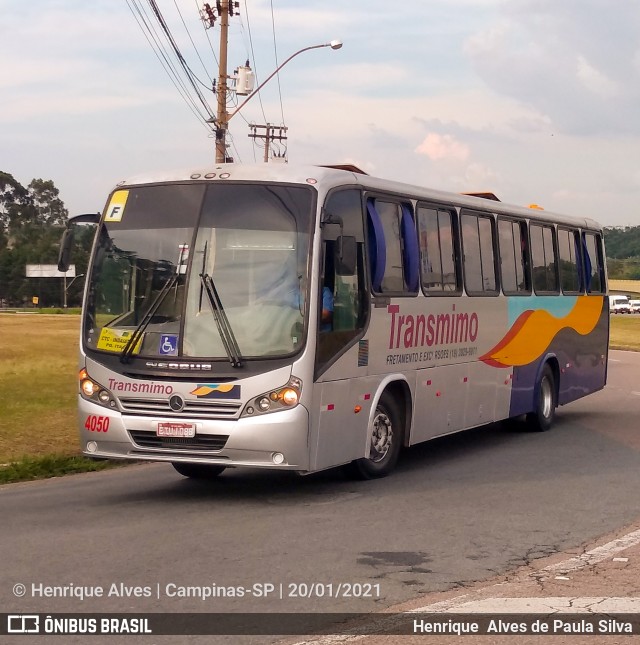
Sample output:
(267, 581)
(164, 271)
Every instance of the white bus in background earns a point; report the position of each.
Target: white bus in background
(203, 345)
(619, 304)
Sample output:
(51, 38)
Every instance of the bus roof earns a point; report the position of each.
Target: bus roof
(325, 177)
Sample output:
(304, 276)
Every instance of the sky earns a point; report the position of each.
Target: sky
(537, 101)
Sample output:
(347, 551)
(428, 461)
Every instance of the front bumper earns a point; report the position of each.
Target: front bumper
(249, 442)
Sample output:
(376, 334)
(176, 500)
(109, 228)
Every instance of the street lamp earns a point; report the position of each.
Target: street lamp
(224, 117)
(66, 286)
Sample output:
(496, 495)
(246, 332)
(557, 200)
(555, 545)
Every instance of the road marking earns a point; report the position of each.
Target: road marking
(596, 555)
(588, 558)
(478, 602)
(535, 605)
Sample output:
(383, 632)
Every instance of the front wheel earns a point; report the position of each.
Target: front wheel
(386, 441)
(541, 419)
(197, 471)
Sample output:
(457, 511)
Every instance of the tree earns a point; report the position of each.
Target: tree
(12, 196)
(31, 223)
(622, 243)
(11, 192)
(47, 203)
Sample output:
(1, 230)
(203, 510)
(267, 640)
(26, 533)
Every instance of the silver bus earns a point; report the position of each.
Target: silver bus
(304, 317)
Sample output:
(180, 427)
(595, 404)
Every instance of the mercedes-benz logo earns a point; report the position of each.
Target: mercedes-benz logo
(176, 403)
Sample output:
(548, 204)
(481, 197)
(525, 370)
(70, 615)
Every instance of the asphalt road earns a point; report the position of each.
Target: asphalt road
(457, 510)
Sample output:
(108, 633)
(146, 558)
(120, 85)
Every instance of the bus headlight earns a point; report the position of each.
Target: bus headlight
(94, 392)
(89, 388)
(282, 398)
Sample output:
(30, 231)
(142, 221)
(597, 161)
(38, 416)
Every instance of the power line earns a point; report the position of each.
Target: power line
(253, 57)
(206, 71)
(275, 49)
(158, 49)
(206, 33)
(157, 45)
(164, 55)
(191, 77)
(232, 143)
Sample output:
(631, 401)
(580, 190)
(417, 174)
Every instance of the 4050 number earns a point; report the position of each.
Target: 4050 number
(97, 424)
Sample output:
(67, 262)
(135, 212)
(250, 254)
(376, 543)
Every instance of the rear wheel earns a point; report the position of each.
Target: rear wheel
(386, 440)
(197, 471)
(541, 419)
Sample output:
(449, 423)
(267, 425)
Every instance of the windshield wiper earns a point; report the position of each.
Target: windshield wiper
(222, 322)
(128, 349)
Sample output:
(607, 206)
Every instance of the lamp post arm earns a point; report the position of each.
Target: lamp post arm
(232, 114)
(72, 280)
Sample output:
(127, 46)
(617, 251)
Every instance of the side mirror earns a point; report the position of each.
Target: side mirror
(66, 246)
(66, 242)
(84, 218)
(346, 255)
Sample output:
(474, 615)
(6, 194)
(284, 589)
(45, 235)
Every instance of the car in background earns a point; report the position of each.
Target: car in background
(634, 306)
(619, 305)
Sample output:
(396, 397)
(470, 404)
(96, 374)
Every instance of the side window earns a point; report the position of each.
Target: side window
(512, 237)
(437, 251)
(393, 247)
(478, 246)
(569, 253)
(543, 258)
(593, 260)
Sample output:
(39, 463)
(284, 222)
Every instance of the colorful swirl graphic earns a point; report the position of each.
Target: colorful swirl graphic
(217, 391)
(532, 332)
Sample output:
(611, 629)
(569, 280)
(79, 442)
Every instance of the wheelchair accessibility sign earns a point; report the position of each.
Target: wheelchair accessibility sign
(169, 345)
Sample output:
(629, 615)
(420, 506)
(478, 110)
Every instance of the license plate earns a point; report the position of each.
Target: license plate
(176, 430)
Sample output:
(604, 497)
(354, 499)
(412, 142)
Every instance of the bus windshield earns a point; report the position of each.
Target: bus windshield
(164, 250)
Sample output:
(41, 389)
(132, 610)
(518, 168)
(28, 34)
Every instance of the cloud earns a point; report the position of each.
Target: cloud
(568, 60)
(595, 81)
(438, 146)
(66, 59)
(300, 19)
(528, 98)
(481, 177)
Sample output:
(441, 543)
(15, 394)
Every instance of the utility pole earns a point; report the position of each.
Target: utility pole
(271, 133)
(222, 115)
(224, 9)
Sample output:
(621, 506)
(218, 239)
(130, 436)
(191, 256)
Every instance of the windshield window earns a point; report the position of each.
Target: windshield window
(153, 260)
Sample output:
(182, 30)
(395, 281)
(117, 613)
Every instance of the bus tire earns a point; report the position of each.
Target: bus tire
(386, 441)
(546, 401)
(197, 471)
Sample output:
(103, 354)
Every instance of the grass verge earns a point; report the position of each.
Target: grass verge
(625, 332)
(38, 386)
(47, 466)
(74, 311)
(38, 399)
